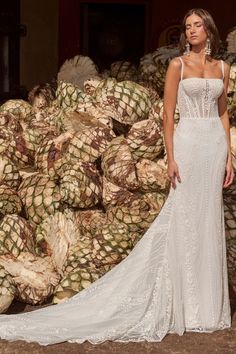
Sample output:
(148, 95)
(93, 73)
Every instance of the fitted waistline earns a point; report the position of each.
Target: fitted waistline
(198, 118)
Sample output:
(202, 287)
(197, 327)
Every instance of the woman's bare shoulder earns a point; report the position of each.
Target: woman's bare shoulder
(175, 62)
(175, 65)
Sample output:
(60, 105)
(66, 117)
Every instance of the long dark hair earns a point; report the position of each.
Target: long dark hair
(209, 26)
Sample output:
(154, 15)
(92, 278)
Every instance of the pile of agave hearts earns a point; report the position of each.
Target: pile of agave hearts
(82, 177)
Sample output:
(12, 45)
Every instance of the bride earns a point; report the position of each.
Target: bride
(175, 278)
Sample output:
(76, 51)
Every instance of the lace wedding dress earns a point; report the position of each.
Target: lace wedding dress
(175, 279)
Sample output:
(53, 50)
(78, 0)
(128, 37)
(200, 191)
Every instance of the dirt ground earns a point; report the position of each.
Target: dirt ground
(222, 342)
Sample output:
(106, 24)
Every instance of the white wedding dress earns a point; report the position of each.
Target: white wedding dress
(175, 279)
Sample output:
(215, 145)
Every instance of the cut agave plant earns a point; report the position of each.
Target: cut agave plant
(111, 244)
(87, 117)
(10, 122)
(19, 108)
(9, 173)
(229, 196)
(145, 140)
(79, 256)
(90, 143)
(68, 95)
(127, 102)
(33, 137)
(81, 185)
(18, 151)
(54, 237)
(102, 88)
(113, 195)
(10, 202)
(138, 215)
(41, 96)
(88, 221)
(40, 196)
(232, 79)
(156, 200)
(90, 85)
(16, 235)
(48, 157)
(77, 70)
(151, 176)
(7, 290)
(35, 277)
(124, 70)
(73, 283)
(118, 165)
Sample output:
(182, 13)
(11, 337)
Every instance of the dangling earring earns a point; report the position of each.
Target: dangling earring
(187, 48)
(208, 47)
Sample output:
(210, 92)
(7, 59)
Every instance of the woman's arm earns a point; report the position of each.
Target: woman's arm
(223, 113)
(170, 97)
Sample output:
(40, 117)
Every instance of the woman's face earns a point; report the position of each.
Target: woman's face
(194, 30)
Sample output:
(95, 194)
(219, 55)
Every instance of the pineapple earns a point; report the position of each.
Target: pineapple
(40, 197)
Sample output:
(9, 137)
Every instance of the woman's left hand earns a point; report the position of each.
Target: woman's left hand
(229, 174)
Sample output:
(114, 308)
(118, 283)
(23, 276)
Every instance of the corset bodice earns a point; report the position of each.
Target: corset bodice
(198, 97)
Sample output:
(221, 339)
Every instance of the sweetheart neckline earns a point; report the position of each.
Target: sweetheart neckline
(203, 78)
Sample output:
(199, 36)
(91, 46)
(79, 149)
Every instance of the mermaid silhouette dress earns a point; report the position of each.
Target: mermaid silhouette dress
(175, 278)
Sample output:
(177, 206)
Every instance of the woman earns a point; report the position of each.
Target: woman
(175, 278)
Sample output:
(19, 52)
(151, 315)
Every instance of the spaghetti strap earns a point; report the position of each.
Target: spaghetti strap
(222, 68)
(182, 67)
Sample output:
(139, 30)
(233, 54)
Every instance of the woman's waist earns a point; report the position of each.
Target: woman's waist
(200, 118)
(200, 126)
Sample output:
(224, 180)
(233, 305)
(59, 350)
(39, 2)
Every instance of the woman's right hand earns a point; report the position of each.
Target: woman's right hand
(173, 173)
